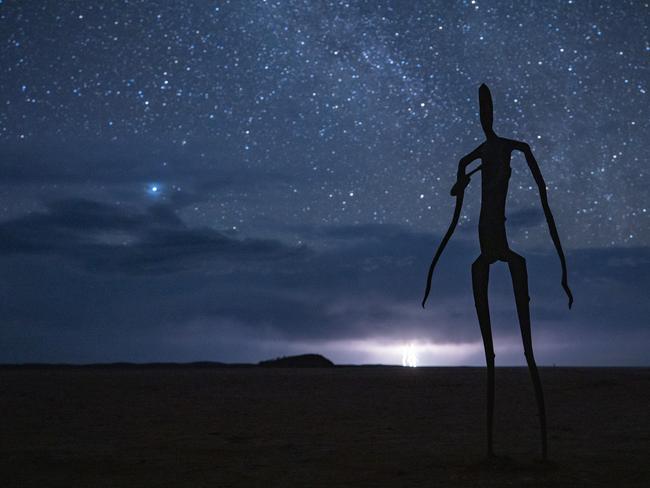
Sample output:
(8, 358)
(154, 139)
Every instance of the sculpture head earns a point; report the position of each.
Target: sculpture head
(485, 104)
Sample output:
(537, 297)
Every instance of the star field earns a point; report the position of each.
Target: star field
(361, 109)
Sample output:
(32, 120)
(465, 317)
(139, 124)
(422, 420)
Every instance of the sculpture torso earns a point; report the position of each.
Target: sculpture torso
(495, 176)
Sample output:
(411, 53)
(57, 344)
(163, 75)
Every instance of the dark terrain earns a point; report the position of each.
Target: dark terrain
(341, 426)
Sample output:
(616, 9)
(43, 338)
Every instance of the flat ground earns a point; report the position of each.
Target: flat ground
(344, 426)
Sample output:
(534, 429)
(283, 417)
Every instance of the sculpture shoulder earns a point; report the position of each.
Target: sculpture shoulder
(515, 145)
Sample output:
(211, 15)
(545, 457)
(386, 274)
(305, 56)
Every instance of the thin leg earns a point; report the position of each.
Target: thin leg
(517, 265)
(480, 277)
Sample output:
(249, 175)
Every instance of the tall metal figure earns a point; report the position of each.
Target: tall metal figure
(495, 153)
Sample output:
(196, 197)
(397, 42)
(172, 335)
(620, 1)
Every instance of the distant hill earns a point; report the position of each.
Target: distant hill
(301, 361)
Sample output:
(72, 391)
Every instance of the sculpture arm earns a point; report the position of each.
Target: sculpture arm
(541, 185)
(462, 178)
(443, 243)
(458, 191)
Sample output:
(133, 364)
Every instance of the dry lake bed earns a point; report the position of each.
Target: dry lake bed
(343, 426)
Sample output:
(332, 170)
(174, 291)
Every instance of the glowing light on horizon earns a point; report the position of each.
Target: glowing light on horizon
(409, 358)
(388, 351)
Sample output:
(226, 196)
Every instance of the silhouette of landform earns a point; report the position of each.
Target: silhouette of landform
(300, 361)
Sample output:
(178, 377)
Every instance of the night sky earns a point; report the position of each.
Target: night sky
(234, 181)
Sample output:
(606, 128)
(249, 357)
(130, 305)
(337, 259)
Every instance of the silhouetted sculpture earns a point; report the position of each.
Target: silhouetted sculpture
(495, 153)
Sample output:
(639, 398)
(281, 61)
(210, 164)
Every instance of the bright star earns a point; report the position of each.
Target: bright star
(154, 189)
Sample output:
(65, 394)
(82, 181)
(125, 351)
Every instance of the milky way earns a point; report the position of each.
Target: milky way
(361, 110)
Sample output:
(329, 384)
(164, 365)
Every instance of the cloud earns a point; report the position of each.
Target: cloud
(525, 218)
(89, 281)
(124, 239)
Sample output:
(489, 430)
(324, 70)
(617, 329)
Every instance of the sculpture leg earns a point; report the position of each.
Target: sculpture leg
(480, 276)
(517, 265)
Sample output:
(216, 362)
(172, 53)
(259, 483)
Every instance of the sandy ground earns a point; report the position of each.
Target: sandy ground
(354, 426)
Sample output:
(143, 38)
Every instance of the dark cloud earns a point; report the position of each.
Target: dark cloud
(124, 239)
(174, 290)
(525, 217)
